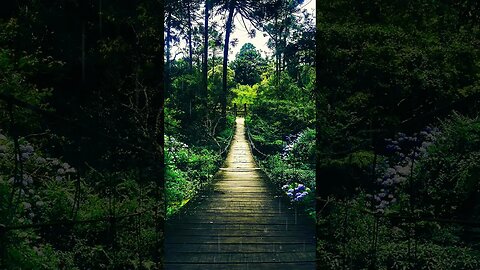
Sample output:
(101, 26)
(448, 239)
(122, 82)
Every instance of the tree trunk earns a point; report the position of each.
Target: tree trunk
(83, 52)
(100, 17)
(205, 57)
(167, 52)
(284, 62)
(190, 49)
(277, 62)
(192, 95)
(225, 62)
(155, 123)
(213, 62)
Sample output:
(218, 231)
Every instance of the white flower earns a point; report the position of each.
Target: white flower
(27, 205)
(40, 160)
(390, 171)
(403, 170)
(398, 179)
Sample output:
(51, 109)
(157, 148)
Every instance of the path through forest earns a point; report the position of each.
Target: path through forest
(240, 223)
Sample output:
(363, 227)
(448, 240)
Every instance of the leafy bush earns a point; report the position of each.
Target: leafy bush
(449, 175)
(442, 181)
(189, 170)
(280, 109)
(244, 94)
(345, 233)
(288, 168)
(46, 192)
(301, 147)
(280, 123)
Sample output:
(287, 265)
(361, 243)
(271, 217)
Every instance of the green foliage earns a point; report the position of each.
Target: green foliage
(398, 69)
(345, 241)
(387, 67)
(248, 65)
(445, 185)
(15, 81)
(304, 147)
(215, 80)
(284, 109)
(100, 74)
(46, 194)
(449, 175)
(185, 91)
(189, 170)
(244, 94)
(279, 111)
(282, 172)
(281, 100)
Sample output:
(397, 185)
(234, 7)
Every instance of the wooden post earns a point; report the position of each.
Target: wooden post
(245, 109)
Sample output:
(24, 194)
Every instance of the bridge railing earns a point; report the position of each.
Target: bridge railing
(238, 112)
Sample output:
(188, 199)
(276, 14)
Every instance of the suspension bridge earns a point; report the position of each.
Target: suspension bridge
(240, 223)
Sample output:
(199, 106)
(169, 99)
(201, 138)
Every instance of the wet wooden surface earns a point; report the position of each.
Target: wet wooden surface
(240, 223)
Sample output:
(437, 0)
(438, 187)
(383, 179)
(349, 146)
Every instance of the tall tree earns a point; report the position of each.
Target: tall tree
(278, 25)
(205, 54)
(248, 65)
(228, 30)
(251, 10)
(189, 34)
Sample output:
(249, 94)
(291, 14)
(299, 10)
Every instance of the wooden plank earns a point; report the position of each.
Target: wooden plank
(240, 257)
(247, 233)
(237, 247)
(241, 240)
(233, 226)
(242, 266)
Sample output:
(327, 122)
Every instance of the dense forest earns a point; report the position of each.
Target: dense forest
(204, 88)
(80, 122)
(398, 134)
(117, 115)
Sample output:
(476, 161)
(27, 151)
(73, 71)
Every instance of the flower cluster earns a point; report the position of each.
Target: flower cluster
(292, 140)
(35, 169)
(401, 152)
(174, 146)
(63, 169)
(296, 191)
(26, 151)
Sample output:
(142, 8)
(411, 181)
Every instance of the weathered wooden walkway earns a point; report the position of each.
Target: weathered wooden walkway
(240, 224)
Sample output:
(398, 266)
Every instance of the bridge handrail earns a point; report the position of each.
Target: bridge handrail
(252, 145)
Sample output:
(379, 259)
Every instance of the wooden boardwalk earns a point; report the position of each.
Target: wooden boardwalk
(240, 223)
